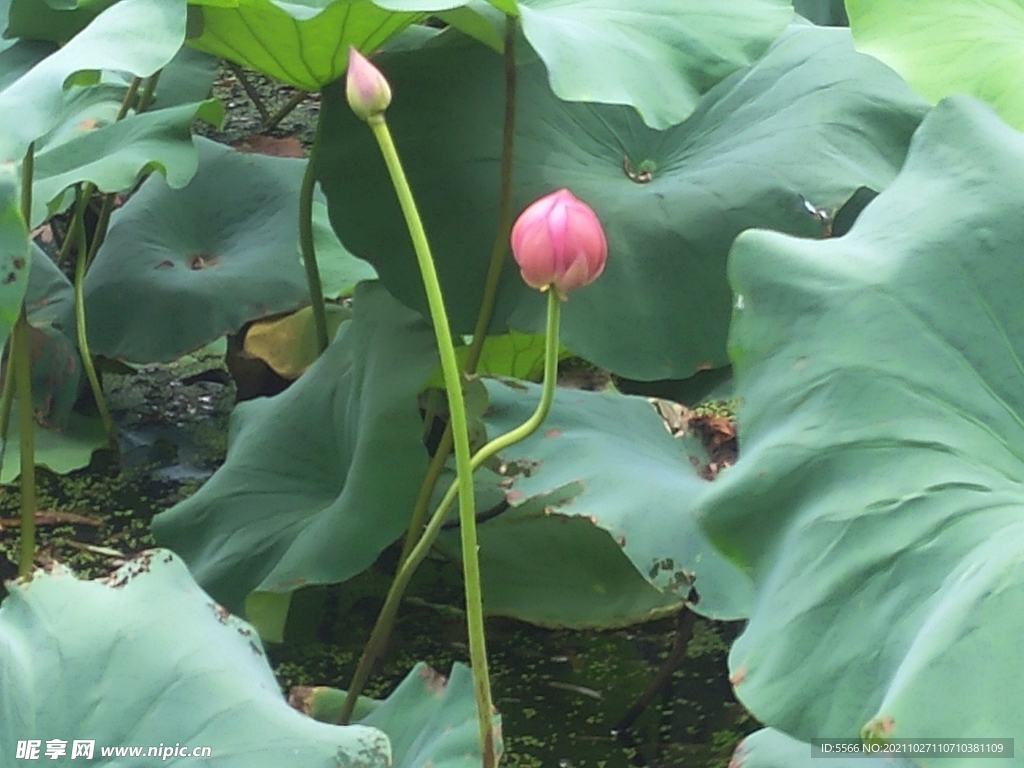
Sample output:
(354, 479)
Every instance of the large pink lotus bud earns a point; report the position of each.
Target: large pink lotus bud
(366, 88)
(558, 241)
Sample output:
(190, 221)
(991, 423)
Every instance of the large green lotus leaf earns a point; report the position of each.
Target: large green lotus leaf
(14, 251)
(304, 43)
(812, 118)
(56, 364)
(830, 13)
(18, 56)
(144, 657)
(220, 252)
(554, 569)
(431, 721)
(769, 748)
(339, 269)
(603, 497)
(953, 46)
(877, 501)
(56, 22)
(186, 79)
(658, 56)
(135, 36)
(91, 144)
(60, 450)
(321, 478)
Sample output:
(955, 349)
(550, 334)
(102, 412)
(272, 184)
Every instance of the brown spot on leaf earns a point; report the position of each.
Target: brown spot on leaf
(737, 677)
(513, 496)
(883, 725)
(87, 125)
(199, 261)
(19, 262)
(715, 430)
(553, 432)
(300, 697)
(164, 263)
(433, 679)
(222, 613)
(10, 277)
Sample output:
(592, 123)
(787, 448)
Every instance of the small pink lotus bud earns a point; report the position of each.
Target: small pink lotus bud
(366, 88)
(558, 241)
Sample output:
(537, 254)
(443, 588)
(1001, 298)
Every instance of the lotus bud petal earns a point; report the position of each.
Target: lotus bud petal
(366, 89)
(558, 242)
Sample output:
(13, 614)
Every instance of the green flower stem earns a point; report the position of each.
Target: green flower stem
(316, 290)
(148, 92)
(23, 391)
(501, 238)
(19, 365)
(498, 253)
(129, 98)
(460, 435)
(386, 618)
(430, 477)
(28, 165)
(78, 231)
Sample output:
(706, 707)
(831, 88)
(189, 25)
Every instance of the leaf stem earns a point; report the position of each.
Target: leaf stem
(460, 435)
(498, 253)
(306, 244)
(250, 89)
(149, 91)
(501, 238)
(23, 385)
(386, 618)
(81, 258)
(19, 365)
(288, 107)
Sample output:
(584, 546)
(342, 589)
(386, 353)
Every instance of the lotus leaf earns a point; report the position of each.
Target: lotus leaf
(202, 261)
(14, 251)
(319, 479)
(671, 201)
(769, 748)
(302, 43)
(956, 46)
(91, 144)
(431, 721)
(659, 56)
(876, 503)
(56, 365)
(600, 530)
(144, 657)
(136, 36)
(53, 20)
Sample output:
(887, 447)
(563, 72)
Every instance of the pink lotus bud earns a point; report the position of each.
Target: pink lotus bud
(558, 241)
(366, 88)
